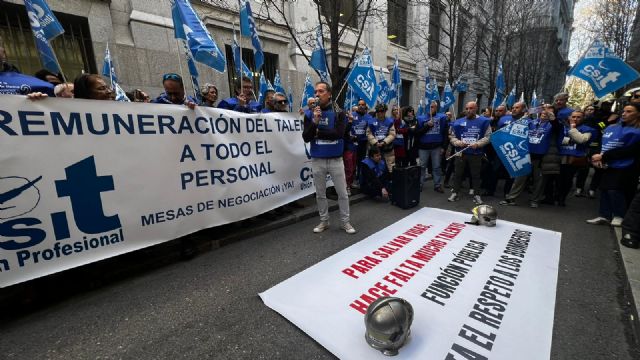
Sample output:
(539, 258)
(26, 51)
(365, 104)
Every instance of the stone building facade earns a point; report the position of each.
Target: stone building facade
(140, 37)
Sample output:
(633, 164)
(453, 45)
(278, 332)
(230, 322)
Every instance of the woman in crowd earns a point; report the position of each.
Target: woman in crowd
(92, 86)
(403, 128)
(85, 86)
(620, 177)
(209, 95)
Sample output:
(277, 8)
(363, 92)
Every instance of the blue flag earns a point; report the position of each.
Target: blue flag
(362, 79)
(511, 99)
(308, 92)
(120, 94)
(435, 96)
(603, 70)
(448, 98)
(534, 100)
(501, 88)
(383, 89)
(277, 83)
(49, 24)
(188, 26)
(47, 56)
(318, 60)
(108, 70)
(237, 60)
(427, 85)
(512, 146)
(193, 72)
(13, 83)
(248, 28)
(290, 99)
(264, 87)
(396, 81)
(420, 110)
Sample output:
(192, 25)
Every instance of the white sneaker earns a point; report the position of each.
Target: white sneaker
(578, 193)
(617, 221)
(598, 221)
(471, 192)
(348, 191)
(592, 194)
(477, 200)
(348, 228)
(453, 197)
(324, 225)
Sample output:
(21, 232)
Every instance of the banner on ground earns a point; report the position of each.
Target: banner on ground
(477, 292)
(82, 181)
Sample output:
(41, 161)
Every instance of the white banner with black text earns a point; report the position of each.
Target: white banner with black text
(84, 180)
(477, 292)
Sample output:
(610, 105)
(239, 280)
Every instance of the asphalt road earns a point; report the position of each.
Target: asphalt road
(208, 307)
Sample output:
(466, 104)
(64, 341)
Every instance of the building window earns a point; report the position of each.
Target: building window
(345, 10)
(405, 99)
(73, 48)
(269, 67)
(397, 21)
(435, 12)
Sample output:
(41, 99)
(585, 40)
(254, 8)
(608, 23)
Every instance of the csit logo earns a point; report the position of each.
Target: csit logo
(82, 186)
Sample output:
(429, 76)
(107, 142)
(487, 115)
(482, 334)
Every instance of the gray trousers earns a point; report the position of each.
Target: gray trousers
(521, 182)
(334, 167)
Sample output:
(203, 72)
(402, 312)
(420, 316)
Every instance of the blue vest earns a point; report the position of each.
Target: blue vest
(617, 136)
(504, 121)
(436, 133)
(325, 148)
(380, 130)
(573, 149)
(359, 125)
(379, 168)
(232, 104)
(399, 140)
(539, 136)
(470, 131)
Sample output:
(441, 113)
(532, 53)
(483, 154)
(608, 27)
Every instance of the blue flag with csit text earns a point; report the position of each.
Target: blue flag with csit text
(512, 146)
(47, 56)
(362, 79)
(603, 70)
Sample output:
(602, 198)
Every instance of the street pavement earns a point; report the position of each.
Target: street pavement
(208, 307)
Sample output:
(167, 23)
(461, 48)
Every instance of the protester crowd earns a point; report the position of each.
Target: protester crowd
(360, 148)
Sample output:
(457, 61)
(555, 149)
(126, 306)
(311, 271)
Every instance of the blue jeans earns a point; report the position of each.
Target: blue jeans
(612, 204)
(436, 158)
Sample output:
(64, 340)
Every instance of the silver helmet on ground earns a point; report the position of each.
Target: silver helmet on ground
(484, 215)
(388, 322)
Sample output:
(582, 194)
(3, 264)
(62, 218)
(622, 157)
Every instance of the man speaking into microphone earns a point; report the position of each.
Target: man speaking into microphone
(324, 128)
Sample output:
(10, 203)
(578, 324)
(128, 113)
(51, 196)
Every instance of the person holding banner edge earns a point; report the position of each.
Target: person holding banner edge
(539, 141)
(324, 128)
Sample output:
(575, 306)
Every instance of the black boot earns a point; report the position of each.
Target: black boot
(630, 241)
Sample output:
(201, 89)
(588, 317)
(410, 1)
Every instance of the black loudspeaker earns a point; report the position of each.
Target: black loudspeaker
(405, 187)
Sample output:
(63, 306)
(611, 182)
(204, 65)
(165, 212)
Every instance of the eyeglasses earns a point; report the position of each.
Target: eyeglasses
(171, 76)
(282, 102)
(635, 96)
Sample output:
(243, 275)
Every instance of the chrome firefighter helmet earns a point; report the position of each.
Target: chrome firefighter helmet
(388, 321)
(484, 215)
